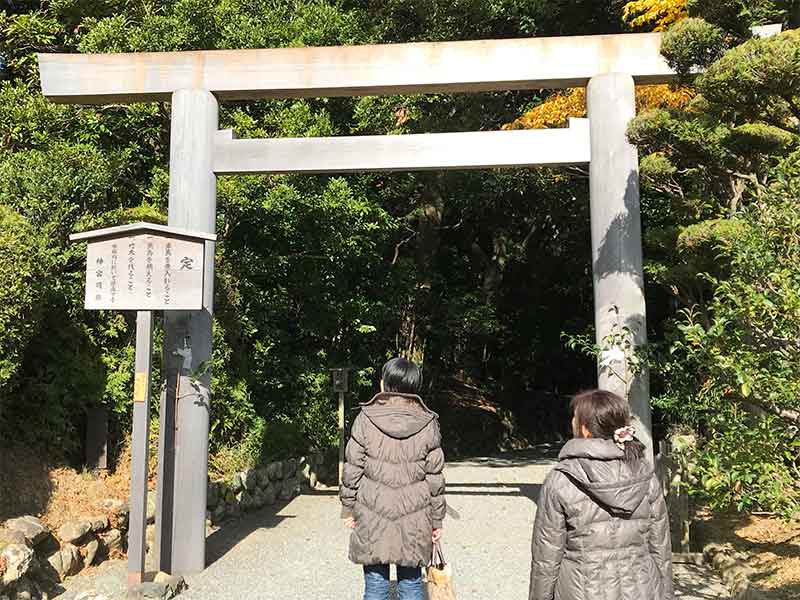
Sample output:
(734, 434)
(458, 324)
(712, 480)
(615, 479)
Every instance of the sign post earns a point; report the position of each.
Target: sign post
(340, 385)
(143, 267)
(140, 448)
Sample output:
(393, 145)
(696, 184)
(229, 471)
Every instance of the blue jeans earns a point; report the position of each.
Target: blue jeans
(376, 583)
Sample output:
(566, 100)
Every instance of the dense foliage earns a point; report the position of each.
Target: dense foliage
(476, 273)
(721, 192)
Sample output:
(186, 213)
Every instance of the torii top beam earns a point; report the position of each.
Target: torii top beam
(472, 66)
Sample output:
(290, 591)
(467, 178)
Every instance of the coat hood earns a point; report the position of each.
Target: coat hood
(598, 468)
(399, 416)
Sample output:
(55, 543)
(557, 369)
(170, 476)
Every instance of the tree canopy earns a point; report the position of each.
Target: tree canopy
(477, 274)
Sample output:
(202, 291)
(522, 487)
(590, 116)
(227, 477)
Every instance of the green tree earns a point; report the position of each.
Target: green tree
(23, 268)
(720, 197)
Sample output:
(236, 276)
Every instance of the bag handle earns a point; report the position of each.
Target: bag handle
(437, 556)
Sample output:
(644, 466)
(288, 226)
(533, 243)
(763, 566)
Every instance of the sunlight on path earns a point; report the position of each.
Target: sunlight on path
(301, 552)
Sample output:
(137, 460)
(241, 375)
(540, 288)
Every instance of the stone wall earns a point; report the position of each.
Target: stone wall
(33, 559)
(264, 486)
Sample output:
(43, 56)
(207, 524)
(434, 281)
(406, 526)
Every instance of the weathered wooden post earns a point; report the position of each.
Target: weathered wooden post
(340, 386)
(97, 438)
(670, 467)
(140, 448)
(619, 303)
(183, 441)
(143, 267)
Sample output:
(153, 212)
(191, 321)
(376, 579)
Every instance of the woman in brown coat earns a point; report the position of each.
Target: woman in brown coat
(392, 486)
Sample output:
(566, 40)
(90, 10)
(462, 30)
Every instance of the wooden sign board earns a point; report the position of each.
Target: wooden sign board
(144, 267)
(145, 272)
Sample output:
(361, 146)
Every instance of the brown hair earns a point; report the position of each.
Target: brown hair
(602, 413)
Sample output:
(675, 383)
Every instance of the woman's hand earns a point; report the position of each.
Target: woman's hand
(437, 535)
(350, 523)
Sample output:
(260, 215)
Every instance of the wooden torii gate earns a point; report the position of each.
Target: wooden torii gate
(194, 82)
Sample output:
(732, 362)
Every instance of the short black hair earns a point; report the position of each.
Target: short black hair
(402, 376)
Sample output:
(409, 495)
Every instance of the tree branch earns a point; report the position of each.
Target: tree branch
(579, 172)
(793, 107)
(397, 247)
(456, 226)
(780, 125)
(784, 413)
(528, 237)
(738, 187)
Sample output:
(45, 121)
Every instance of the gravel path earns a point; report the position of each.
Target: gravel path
(299, 551)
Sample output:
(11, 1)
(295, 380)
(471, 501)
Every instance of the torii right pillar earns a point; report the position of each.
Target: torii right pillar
(616, 226)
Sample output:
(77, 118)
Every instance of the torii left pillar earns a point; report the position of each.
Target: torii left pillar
(185, 405)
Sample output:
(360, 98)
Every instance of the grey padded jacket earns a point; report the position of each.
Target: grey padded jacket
(392, 482)
(601, 530)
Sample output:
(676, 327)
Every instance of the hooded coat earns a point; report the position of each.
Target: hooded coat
(601, 530)
(392, 483)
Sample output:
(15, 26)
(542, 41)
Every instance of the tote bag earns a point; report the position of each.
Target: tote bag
(439, 577)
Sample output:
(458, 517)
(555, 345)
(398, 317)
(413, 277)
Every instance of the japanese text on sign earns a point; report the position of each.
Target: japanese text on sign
(145, 272)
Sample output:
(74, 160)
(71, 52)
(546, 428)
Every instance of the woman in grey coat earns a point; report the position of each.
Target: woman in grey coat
(601, 530)
(392, 486)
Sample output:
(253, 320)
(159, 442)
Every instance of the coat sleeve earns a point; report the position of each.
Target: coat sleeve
(434, 465)
(659, 540)
(355, 458)
(549, 541)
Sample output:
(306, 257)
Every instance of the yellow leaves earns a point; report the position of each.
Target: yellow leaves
(402, 116)
(658, 14)
(554, 112)
(559, 108)
(662, 96)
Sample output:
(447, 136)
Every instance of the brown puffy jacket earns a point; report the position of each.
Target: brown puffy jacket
(602, 530)
(392, 483)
